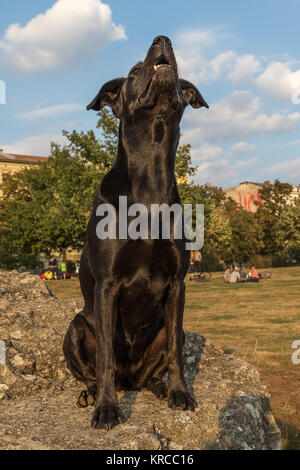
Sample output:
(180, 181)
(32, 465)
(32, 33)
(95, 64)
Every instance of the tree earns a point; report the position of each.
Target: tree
(218, 234)
(46, 208)
(247, 235)
(287, 229)
(184, 167)
(275, 203)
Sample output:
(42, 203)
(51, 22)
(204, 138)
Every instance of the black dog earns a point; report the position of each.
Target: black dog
(130, 331)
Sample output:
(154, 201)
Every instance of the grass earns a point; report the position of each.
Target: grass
(257, 322)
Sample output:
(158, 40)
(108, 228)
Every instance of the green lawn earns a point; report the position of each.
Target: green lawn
(257, 322)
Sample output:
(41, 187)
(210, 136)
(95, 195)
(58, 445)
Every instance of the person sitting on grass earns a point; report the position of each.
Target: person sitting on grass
(235, 276)
(48, 275)
(254, 277)
(227, 274)
(197, 262)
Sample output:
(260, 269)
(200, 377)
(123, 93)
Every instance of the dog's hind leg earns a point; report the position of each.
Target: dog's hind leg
(80, 352)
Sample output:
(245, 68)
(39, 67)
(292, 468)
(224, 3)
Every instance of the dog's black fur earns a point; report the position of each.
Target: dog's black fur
(130, 331)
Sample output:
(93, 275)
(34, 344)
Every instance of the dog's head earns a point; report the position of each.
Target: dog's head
(151, 85)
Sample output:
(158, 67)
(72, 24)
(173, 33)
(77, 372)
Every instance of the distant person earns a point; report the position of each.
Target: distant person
(53, 265)
(48, 275)
(64, 269)
(77, 268)
(254, 276)
(227, 274)
(235, 276)
(223, 265)
(197, 261)
(191, 267)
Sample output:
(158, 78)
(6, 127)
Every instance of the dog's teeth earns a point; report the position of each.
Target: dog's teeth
(160, 65)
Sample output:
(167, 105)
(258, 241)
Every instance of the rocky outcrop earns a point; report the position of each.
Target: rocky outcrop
(38, 395)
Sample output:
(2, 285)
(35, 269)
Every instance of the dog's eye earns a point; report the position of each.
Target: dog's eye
(136, 69)
(133, 71)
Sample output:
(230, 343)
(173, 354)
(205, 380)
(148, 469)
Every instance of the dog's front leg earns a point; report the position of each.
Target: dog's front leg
(178, 395)
(107, 413)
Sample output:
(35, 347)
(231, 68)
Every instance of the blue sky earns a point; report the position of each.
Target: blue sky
(243, 57)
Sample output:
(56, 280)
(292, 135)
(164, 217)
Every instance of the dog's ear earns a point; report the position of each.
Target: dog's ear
(191, 95)
(108, 96)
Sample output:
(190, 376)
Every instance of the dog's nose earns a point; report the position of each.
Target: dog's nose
(163, 41)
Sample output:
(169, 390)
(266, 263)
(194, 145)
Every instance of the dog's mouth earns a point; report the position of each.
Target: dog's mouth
(162, 75)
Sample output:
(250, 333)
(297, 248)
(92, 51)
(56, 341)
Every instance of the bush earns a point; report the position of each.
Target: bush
(260, 261)
(211, 262)
(282, 261)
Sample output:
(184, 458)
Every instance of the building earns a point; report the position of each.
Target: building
(295, 193)
(246, 194)
(10, 163)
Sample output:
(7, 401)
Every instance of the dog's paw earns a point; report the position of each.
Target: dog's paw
(158, 388)
(86, 398)
(107, 416)
(181, 399)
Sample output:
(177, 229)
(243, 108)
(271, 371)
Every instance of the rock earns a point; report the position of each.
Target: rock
(17, 361)
(3, 389)
(38, 398)
(191, 360)
(16, 334)
(22, 443)
(7, 376)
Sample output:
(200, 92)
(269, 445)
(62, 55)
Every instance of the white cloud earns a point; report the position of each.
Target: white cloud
(242, 147)
(207, 152)
(201, 37)
(195, 65)
(219, 172)
(275, 79)
(279, 81)
(50, 111)
(290, 169)
(35, 145)
(191, 54)
(244, 69)
(243, 163)
(237, 116)
(67, 33)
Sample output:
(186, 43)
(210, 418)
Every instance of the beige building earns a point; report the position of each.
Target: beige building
(10, 163)
(246, 194)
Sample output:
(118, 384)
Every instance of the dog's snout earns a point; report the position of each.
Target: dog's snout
(163, 41)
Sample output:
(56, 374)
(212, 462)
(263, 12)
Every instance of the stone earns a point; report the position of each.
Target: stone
(16, 334)
(6, 375)
(38, 399)
(191, 360)
(17, 361)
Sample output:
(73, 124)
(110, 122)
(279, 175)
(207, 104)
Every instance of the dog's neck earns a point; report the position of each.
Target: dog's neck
(149, 161)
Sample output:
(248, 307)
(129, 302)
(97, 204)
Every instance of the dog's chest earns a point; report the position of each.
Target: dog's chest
(151, 262)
